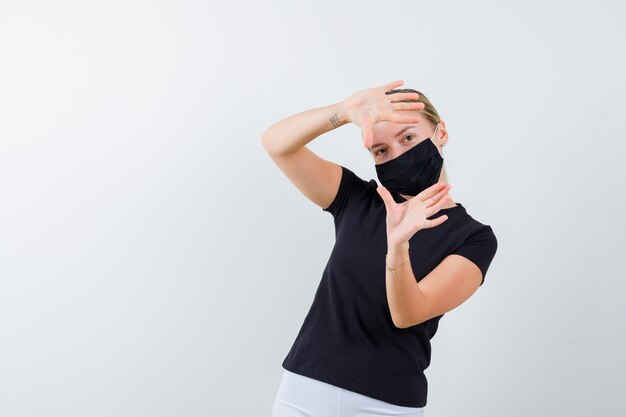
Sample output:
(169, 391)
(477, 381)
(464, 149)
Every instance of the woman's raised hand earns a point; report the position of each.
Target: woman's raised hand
(372, 105)
(407, 218)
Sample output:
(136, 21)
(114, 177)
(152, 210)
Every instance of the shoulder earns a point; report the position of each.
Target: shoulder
(478, 243)
(352, 188)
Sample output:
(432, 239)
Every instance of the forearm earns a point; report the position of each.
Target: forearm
(406, 300)
(294, 132)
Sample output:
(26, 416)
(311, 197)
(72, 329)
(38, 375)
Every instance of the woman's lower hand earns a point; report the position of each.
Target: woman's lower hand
(407, 218)
(368, 107)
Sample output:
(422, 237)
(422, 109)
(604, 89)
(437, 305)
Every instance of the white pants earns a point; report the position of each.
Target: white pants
(301, 396)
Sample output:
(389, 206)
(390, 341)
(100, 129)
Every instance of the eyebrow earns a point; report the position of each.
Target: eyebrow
(397, 134)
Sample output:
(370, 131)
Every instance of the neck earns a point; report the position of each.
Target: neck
(442, 178)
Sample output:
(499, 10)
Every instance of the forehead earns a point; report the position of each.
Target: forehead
(385, 130)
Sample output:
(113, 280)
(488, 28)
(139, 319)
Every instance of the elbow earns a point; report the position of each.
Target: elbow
(407, 322)
(400, 323)
(266, 141)
(263, 142)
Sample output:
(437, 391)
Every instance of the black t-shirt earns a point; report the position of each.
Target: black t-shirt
(348, 338)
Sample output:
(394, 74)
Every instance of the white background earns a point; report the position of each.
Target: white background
(155, 262)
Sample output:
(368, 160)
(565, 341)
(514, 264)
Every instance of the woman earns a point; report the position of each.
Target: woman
(395, 268)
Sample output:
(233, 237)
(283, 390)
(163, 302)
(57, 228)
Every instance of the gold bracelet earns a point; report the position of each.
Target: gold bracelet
(393, 270)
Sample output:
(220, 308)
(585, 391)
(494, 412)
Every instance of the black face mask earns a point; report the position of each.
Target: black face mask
(413, 171)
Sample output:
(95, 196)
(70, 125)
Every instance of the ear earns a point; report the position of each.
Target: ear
(443, 132)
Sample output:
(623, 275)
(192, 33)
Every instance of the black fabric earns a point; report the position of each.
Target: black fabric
(348, 338)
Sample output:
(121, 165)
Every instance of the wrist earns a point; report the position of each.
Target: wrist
(397, 255)
(397, 252)
(344, 112)
(398, 247)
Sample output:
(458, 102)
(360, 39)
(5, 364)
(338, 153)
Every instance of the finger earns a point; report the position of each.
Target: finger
(367, 136)
(439, 199)
(387, 198)
(392, 85)
(403, 96)
(435, 222)
(431, 191)
(404, 117)
(434, 209)
(402, 106)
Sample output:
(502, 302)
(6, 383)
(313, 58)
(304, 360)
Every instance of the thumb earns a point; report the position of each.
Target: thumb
(386, 196)
(367, 136)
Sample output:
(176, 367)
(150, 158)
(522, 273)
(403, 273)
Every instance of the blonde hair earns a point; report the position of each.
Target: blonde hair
(429, 112)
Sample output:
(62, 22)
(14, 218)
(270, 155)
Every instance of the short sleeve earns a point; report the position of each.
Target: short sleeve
(351, 187)
(480, 247)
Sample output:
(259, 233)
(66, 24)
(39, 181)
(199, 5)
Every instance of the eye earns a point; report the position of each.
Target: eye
(377, 153)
